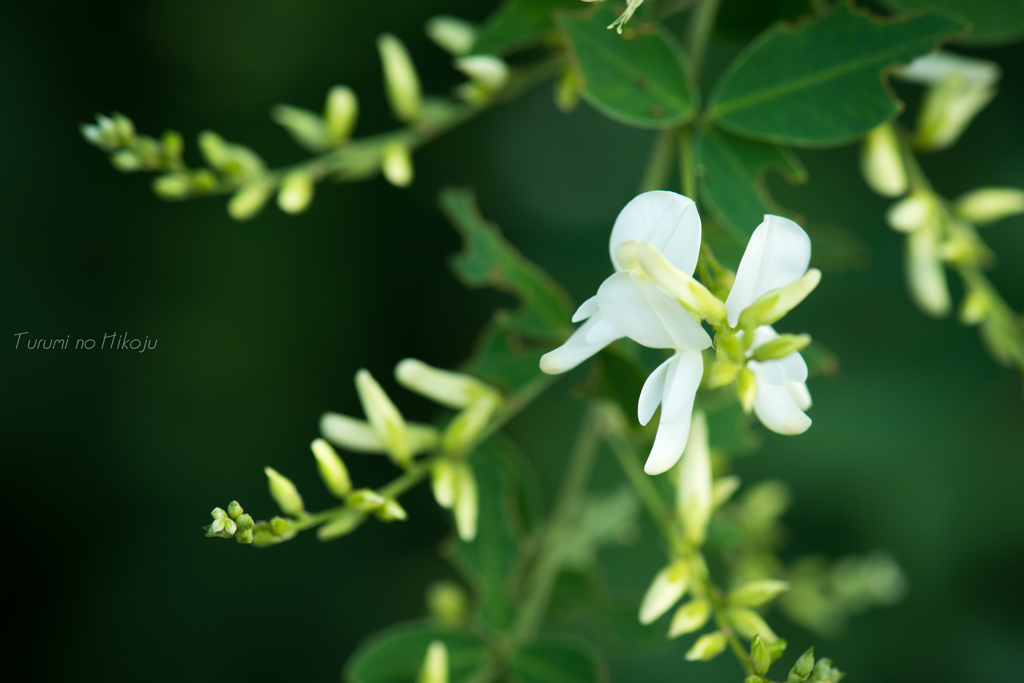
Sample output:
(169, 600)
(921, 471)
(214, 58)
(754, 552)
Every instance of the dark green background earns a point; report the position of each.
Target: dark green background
(112, 460)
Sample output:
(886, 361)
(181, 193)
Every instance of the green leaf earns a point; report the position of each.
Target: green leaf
(604, 520)
(821, 83)
(518, 24)
(490, 561)
(641, 80)
(732, 183)
(395, 655)
(558, 660)
(993, 22)
(488, 260)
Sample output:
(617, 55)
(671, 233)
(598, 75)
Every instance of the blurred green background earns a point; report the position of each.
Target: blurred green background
(112, 460)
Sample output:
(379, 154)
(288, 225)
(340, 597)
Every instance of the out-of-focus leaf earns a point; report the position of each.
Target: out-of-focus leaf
(491, 559)
(502, 358)
(488, 260)
(993, 22)
(642, 80)
(518, 24)
(732, 184)
(820, 84)
(395, 655)
(836, 249)
(742, 19)
(604, 520)
(558, 660)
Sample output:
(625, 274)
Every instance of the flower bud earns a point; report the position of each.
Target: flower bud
(279, 526)
(332, 469)
(218, 513)
(173, 145)
(245, 522)
(387, 423)
(396, 164)
(486, 70)
(759, 657)
(990, 204)
(307, 128)
(948, 108)
(435, 665)
(719, 374)
(391, 511)
(778, 302)
(447, 602)
(466, 504)
(723, 488)
(126, 161)
(707, 647)
(730, 348)
(366, 500)
(881, 162)
(444, 480)
(350, 433)
(172, 186)
(926, 275)
(824, 672)
(217, 528)
(234, 510)
(690, 617)
(749, 623)
(694, 493)
(915, 212)
(668, 587)
(345, 522)
(975, 307)
(400, 78)
(245, 537)
(452, 389)
(296, 192)
(781, 346)
(250, 199)
(746, 389)
(757, 593)
(692, 294)
(284, 493)
(804, 665)
(214, 149)
(453, 35)
(465, 427)
(341, 110)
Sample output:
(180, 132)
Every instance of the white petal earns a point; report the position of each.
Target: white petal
(668, 444)
(768, 372)
(667, 220)
(798, 390)
(650, 395)
(648, 314)
(586, 309)
(795, 367)
(576, 349)
(776, 409)
(681, 384)
(777, 254)
(603, 333)
(937, 66)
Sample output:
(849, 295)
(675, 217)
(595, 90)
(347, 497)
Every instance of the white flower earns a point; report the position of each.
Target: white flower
(775, 260)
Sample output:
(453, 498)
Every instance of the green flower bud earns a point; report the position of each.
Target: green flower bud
(749, 623)
(776, 648)
(746, 389)
(204, 181)
(366, 500)
(881, 162)
(214, 149)
(124, 128)
(245, 522)
(279, 526)
(464, 429)
(296, 192)
(720, 374)
(487, 70)
(385, 420)
(403, 84)
(926, 275)
(730, 348)
(452, 389)
(707, 647)
(689, 618)
(306, 128)
(778, 302)
(245, 537)
(975, 307)
(692, 294)
(250, 199)
(447, 602)
(173, 186)
(126, 161)
(453, 35)
(350, 433)
(435, 664)
(803, 667)
(466, 504)
(332, 469)
(781, 346)
(340, 525)
(284, 493)
(217, 528)
(391, 511)
(234, 510)
(759, 657)
(668, 587)
(396, 164)
(218, 513)
(172, 144)
(694, 489)
(444, 482)
(723, 488)
(756, 593)
(340, 113)
(919, 210)
(990, 204)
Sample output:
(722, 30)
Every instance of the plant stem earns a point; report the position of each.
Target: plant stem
(561, 525)
(659, 163)
(699, 31)
(686, 163)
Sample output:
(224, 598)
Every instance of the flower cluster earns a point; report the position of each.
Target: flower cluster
(654, 300)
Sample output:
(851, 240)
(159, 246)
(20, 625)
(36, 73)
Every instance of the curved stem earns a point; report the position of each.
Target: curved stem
(699, 31)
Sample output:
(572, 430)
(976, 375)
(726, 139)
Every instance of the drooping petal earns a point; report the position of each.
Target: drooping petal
(768, 372)
(648, 314)
(778, 411)
(777, 254)
(681, 384)
(694, 491)
(795, 367)
(586, 309)
(798, 390)
(576, 348)
(602, 330)
(651, 394)
(667, 220)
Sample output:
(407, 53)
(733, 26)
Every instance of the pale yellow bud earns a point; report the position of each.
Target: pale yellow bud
(694, 490)
(919, 210)
(757, 593)
(668, 587)
(342, 524)
(926, 275)
(283, 491)
(466, 504)
(341, 110)
(435, 664)
(749, 623)
(385, 420)
(453, 35)
(396, 164)
(707, 647)
(350, 433)
(975, 307)
(746, 388)
(465, 427)
(722, 489)
(296, 192)
(881, 162)
(451, 389)
(487, 70)
(781, 346)
(403, 84)
(989, 204)
(332, 469)
(689, 618)
(250, 199)
(778, 302)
